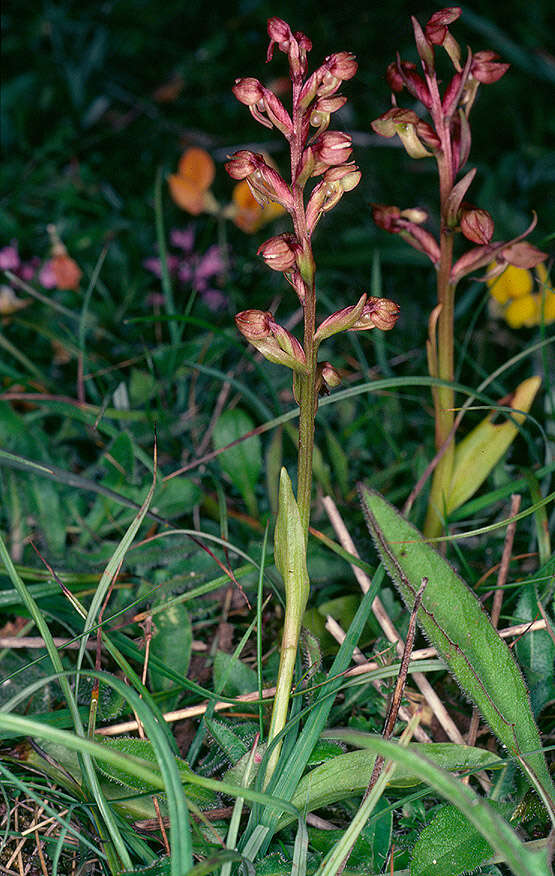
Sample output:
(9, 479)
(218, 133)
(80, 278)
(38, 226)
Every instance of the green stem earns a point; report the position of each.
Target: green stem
(288, 657)
(444, 397)
(307, 400)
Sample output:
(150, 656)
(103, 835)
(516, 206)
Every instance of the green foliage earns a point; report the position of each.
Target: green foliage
(474, 652)
(171, 644)
(371, 849)
(91, 376)
(449, 845)
(243, 462)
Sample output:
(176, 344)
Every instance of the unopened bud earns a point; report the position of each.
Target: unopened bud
(279, 252)
(264, 182)
(241, 164)
(271, 340)
(342, 65)
(332, 147)
(254, 325)
(476, 224)
(248, 90)
(380, 313)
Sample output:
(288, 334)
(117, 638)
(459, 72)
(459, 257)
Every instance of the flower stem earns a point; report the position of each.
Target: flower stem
(444, 397)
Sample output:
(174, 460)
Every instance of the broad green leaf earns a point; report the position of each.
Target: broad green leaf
(348, 775)
(456, 624)
(143, 749)
(231, 676)
(449, 845)
(230, 740)
(176, 497)
(171, 643)
(535, 651)
(523, 860)
(242, 462)
(478, 453)
(142, 386)
(290, 549)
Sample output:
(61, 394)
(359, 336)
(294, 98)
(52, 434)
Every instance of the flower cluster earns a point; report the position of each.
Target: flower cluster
(60, 271)
(193, 269)
(316, 153)
(190, 189)
(520, 298)
(448, 138)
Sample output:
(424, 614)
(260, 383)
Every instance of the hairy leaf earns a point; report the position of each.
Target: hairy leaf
(455, 623)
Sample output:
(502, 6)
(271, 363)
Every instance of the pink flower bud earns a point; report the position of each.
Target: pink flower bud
(241, 164)
(332, 147)
(476, 224)
(248, 90)
(264, 182)
(486, 69)
(254, 325)
(271, 340)
(380, 313)
(280, 252)
(342, 65)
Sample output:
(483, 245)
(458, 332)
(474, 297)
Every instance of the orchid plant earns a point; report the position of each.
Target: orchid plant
(448, 140)
(324, 155)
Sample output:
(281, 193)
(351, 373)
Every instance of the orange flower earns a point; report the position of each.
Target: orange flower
(249, 215)
(189, 187)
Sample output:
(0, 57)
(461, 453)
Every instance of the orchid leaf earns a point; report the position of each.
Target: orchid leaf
(290, 548)
(454, 622)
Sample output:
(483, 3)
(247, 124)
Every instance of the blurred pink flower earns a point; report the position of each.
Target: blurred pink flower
(192, 268)
(9, 257)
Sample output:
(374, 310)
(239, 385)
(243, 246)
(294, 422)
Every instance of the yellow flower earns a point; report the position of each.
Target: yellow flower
(189, 187)
(248, 214)
(515, 300)
(512, 283)
(522, 312)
